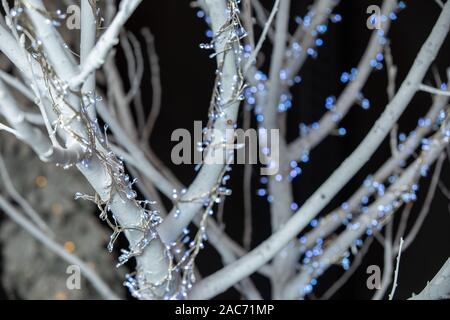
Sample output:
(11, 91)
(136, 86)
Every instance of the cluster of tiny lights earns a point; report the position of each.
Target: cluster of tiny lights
(310, 261)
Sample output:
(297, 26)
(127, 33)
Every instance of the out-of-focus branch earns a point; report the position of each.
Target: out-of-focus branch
(97, 283)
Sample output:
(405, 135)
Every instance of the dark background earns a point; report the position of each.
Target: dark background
(187, 76)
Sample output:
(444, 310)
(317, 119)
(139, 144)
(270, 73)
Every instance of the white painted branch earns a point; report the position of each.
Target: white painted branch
(87, 43)
(11, 49)
(432, 90)
(403, 184)
(34, 78)
(152, 264)
(7, 129)
(397, 269)
(34, 136)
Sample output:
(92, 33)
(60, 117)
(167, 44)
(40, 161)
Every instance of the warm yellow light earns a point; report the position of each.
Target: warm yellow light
(60, 295)
(69, 246)
(41, 181)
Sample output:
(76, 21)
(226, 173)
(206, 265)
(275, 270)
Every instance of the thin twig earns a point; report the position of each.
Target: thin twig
(397, 267)
(429, 89)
